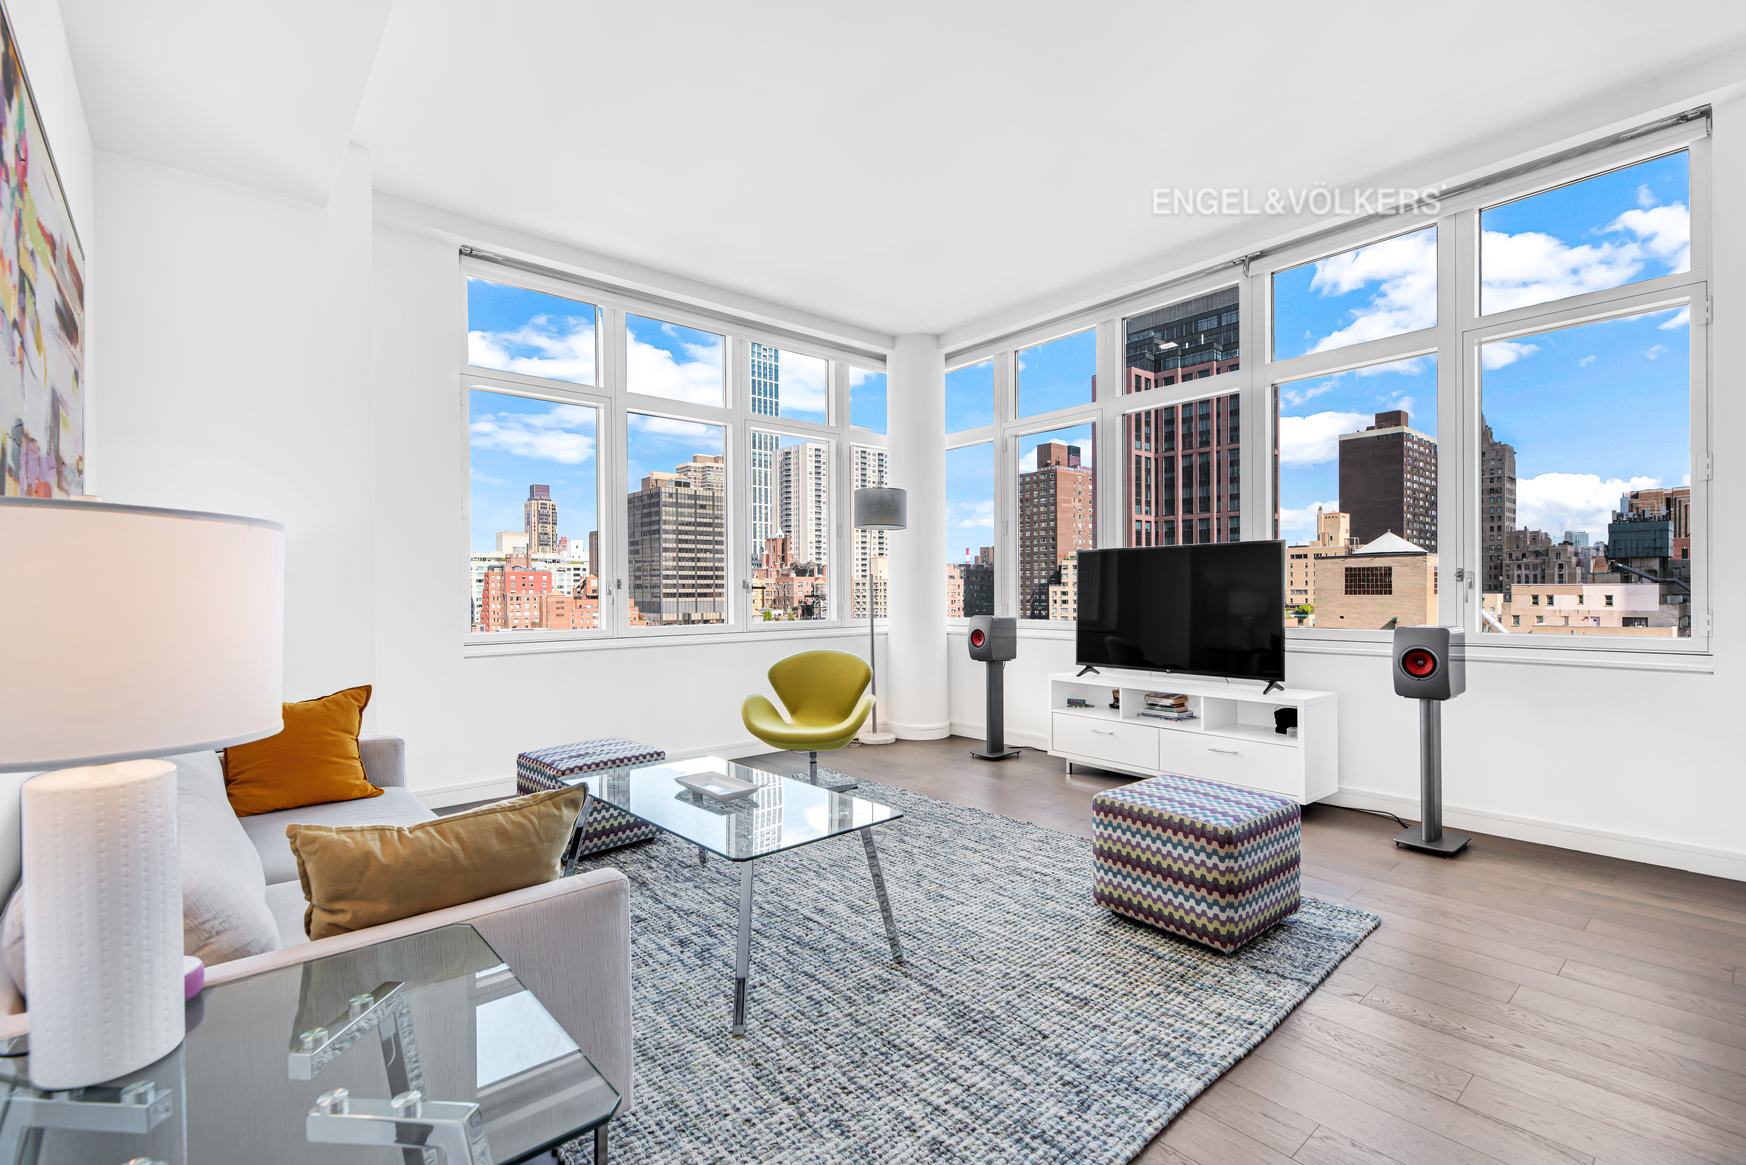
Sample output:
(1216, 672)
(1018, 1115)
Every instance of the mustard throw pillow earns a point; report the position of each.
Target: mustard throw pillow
(355, 876)
(312, 761)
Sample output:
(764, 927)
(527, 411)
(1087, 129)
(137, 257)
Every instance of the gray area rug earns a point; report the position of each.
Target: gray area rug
(1029, 1025)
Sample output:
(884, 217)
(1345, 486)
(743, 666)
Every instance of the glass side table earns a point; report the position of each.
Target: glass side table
(423, 1050)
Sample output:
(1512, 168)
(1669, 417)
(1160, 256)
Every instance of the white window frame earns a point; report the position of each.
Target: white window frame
(1454, 339)
(614, 400)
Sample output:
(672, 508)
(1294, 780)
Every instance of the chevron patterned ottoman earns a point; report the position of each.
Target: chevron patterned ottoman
(559, 766)
(1210, 862)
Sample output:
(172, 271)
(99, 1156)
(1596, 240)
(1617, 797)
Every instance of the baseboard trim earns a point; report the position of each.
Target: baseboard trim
(1652, 851)
(1020, 739)
(918, 731)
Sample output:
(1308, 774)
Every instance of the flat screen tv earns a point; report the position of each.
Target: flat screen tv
(1216, 609)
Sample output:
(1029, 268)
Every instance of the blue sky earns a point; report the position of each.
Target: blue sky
(1080, 435)
(969, 500)
(970, 397)
(516, 442)
(673, 361)
(1314, 412)
(512, 329)
(1058, 374)
(867, 400)
(1592, 411)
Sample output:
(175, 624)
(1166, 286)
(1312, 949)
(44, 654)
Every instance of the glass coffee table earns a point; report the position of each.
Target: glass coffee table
(784, 814)
(426, 1048)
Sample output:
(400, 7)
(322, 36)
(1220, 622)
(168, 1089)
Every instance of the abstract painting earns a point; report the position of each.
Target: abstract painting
(42, 293)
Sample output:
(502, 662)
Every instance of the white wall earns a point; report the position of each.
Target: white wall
(465, 719)
(1631, 760)
(236, 375)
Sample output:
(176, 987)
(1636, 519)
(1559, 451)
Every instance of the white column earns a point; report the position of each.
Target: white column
(915, 695)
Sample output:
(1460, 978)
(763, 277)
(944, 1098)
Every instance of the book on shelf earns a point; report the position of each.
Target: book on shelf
(1168, 715)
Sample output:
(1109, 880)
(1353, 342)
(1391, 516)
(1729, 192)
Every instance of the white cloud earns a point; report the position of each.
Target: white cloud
(547, 436)
(802, 382)
(1406, 267)
(860, 376)
(973, 515)
(1503, 352)
(1411, 366)
(669, 427)
(654, 371)
(1655, 352)
(483, 478)
(1534, 267)
(1556, 502)
(1314, 439)
(1585, 362)
(1303, 521)
(1292, 397)
(1682, 319)
(562, 348)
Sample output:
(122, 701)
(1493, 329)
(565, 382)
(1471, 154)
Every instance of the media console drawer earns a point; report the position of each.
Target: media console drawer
(1134, 745)
(1272, 768)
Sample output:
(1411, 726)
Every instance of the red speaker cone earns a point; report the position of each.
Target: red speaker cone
(1419, 663)
(977, 638)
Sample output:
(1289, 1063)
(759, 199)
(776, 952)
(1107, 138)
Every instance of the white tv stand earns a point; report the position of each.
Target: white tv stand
(1231, 738)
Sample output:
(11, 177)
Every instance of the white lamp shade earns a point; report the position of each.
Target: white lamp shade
(136, 632)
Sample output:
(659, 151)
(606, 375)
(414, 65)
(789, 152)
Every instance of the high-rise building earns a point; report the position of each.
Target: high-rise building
(1388, 481)
(677, 539)
(1497, 505)
(867, 468)
(595, 566)
(512, 593)
(878, 582)
(766, 402)
(803, 493)
(511, 542)
(1056, 518)
(1530, 557)
(1333, 540)
(1184, 341)
(970, 586)
(1182, 473)
(540, 519)
(1064, 595)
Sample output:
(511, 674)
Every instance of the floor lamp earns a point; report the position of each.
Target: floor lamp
(181, 653)
(878, 508)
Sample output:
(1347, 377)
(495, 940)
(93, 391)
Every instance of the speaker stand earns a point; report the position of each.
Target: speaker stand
(1428, 836)
(995, 748)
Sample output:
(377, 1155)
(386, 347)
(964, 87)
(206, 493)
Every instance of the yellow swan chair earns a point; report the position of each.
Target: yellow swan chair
(826, 695)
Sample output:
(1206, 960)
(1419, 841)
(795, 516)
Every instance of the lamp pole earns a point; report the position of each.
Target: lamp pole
(877, 508)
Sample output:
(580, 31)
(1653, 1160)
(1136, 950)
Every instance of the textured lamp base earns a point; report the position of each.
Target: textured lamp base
(877, 738)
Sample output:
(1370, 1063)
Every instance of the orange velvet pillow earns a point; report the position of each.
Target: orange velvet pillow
(312, 761)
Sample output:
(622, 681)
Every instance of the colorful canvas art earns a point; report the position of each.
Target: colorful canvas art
(42, 291)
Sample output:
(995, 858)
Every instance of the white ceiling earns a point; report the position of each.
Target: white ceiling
(905, 167)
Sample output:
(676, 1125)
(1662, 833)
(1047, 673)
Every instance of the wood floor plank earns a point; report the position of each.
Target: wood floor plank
(1704, 946)
(1669, 917)
(1689, 1044)
(1208, 1141)
(1544, 1118)
(1409, 933)
(1330, 1148)
(1704, 1003)
(1256, 1117)
(1409, 1066)
(1432, 1115)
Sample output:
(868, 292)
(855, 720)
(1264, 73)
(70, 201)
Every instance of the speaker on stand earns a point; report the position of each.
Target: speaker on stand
(1430, 666)
(994, 640)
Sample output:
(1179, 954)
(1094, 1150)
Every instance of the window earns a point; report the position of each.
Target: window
(1607, 231)
(970, 531)
(1379, 290)
(1207, 457)
(869, 573)
(512, 329)
(534, 482)
(867, 400)
(1182, 341)
(671, 361)
(1057, 513)
(789, 384)
(1358, 457)
(1057, 375)
(791, 529)
(970, 397)
(675, 522)
(1593, 423)
(1370, 580)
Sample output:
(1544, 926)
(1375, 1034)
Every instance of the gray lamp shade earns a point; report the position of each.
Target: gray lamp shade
(881, 508)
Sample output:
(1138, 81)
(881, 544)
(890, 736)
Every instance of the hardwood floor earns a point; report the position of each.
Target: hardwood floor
(1519, 1004)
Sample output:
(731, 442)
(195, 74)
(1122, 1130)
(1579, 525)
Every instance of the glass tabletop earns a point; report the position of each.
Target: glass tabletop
(445, 1016)
(784, 813)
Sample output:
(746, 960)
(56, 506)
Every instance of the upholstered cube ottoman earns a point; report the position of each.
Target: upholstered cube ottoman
(559, 766)
(1210, 862)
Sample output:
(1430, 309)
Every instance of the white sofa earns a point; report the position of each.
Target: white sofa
(568, 940)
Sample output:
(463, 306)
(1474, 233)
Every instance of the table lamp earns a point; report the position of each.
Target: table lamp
(878, 508)
(133, 634)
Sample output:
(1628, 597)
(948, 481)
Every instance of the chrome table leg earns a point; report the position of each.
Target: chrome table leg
(600, 1145)
(743, 952)
(879, 891)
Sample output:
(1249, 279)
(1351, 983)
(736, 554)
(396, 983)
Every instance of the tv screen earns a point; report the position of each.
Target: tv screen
(1216, 609)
